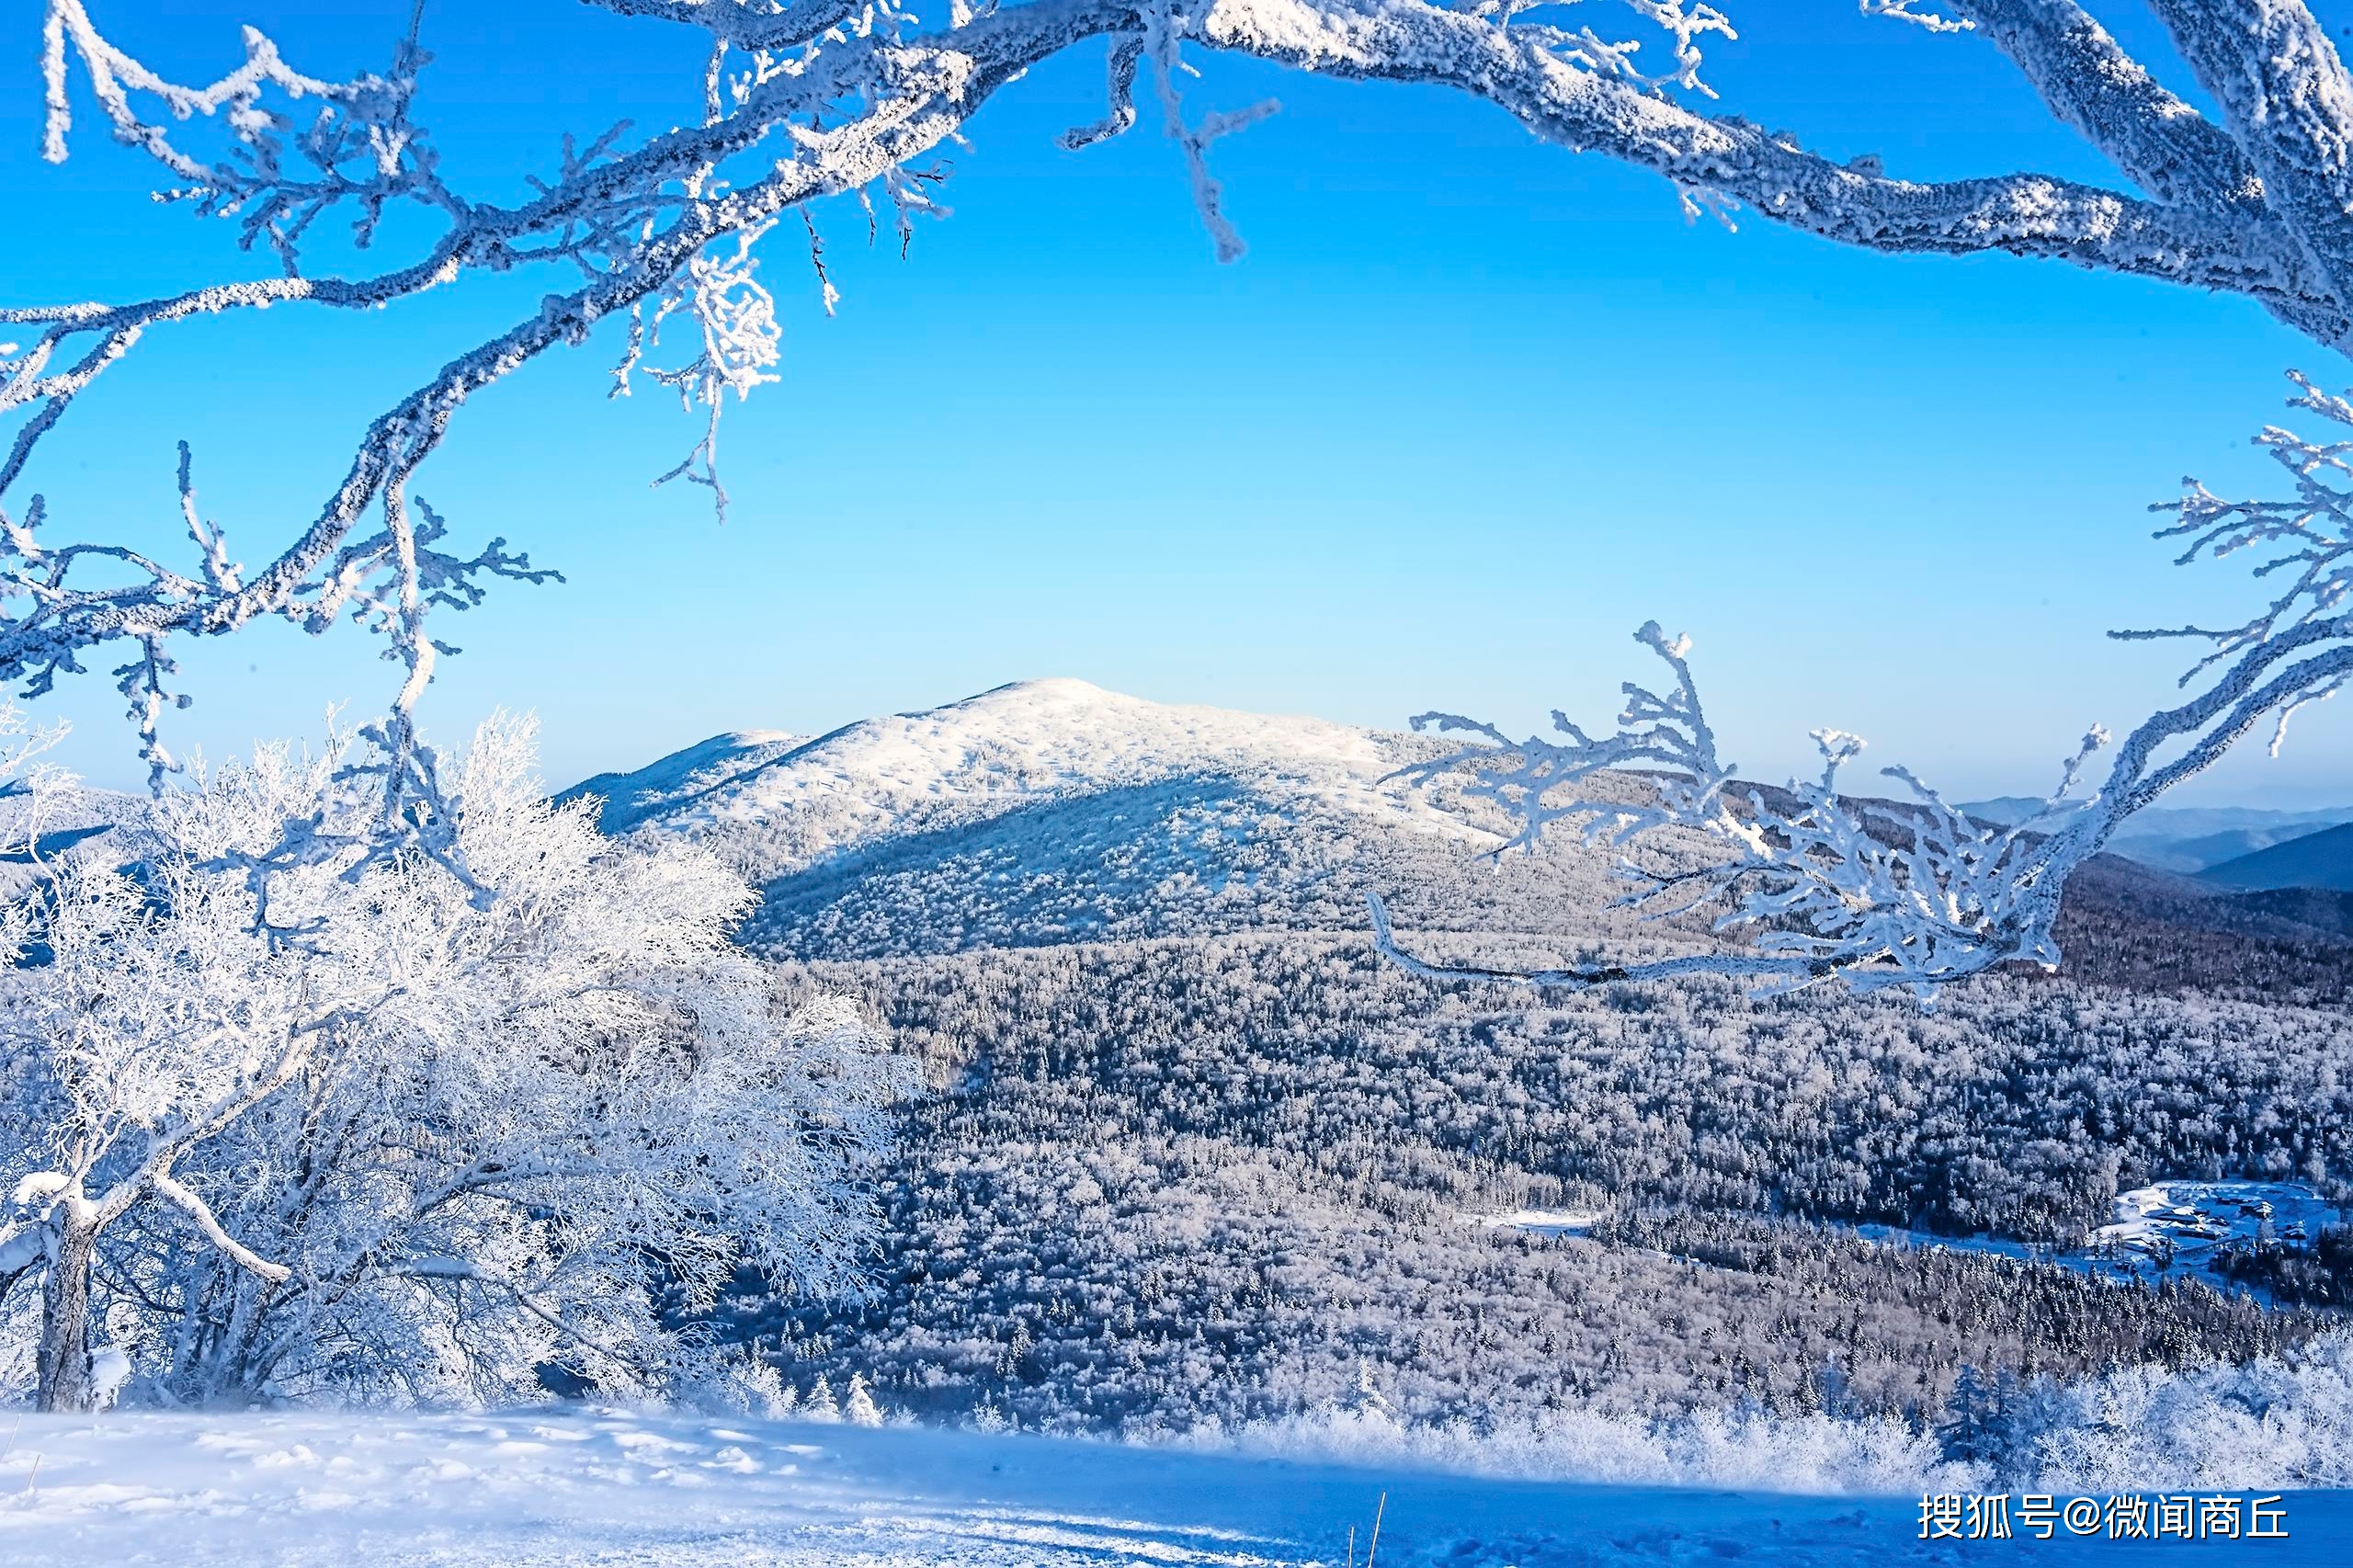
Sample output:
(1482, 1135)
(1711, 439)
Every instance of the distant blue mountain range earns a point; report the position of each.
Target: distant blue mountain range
(2323, 859)
(2191, 840)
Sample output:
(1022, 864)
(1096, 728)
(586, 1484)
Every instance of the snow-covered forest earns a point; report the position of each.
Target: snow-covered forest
(724, 1161)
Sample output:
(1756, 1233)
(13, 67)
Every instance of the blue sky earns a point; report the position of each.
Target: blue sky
(1470, 410)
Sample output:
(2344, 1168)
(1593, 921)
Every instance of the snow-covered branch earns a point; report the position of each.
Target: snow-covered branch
(2289, 102)
(1915, 892)
(243, 1256)
(814, 98)
(2158, 141)
(1768, 173)
(761, 24)
(660, 222)
(2308, 542)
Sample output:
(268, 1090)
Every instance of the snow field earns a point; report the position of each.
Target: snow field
(606, 1487)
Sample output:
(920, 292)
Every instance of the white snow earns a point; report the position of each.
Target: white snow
(1016, 746)
(606, 1487)
(630, 798)
(1543, 1222)
(2170, 1228)
(2189, 1219)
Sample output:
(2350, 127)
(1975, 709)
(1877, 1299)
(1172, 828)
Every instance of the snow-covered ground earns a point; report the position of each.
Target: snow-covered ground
(609, 1487)
(2188, 1220)
(1543, 1222)
(2168, 1230)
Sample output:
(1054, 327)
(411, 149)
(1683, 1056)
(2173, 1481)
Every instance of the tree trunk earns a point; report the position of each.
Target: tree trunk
(65, 1383)
(237, 1379)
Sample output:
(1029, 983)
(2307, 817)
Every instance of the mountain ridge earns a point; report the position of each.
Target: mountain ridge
(2183, 839)
(2321, 860)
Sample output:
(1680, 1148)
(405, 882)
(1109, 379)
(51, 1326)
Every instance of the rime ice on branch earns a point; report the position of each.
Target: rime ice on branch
(1917, 893)
(429, 1145)
(816, 99)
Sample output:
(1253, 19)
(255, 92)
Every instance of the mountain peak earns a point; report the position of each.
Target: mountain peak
(1023, 741)
(1055, 698)
(1064, 689)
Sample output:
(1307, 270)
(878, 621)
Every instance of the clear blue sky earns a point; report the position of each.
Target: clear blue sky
(1470, 410)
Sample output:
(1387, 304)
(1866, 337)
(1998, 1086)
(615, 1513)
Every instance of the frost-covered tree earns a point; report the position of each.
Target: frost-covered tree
(861, 1410)
(1917, 893)
(345, 1125)
(802, 100)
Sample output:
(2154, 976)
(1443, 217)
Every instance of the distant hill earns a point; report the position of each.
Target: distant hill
(1053, 812)
(2323, 859)
(2184, 839)
(2328, 909)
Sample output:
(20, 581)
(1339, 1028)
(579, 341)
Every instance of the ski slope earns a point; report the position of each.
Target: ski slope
(587, 1485)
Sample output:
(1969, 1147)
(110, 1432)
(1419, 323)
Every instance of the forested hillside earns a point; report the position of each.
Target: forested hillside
(1211, 1175)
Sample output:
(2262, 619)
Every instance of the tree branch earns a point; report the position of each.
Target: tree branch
(748, 25)
(2159, 141)
(458, 1268)
(196, 1210)
(650, 228)
(2025, 214)
(2290, 105)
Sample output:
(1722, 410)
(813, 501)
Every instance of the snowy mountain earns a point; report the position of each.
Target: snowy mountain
(1020, 746)
(1054, 811)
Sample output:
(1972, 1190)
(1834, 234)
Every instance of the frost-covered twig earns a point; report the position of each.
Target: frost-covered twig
(278, 178)
(658, 223)
(1917, 893)
(1909, 11)
(1120, 90)
(2308, 542)
(1164, 29)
